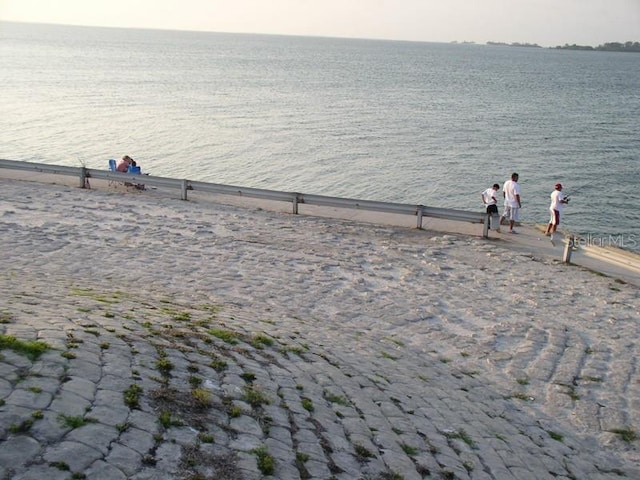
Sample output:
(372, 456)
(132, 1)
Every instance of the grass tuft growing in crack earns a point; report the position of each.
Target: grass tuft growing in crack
(74, 421)
(266, 462)
(254, 396)
(556, 436)
(260, 341)
(32, 349)
(226, 336)
(461, 435)
(132, 396)
(307, 404)
(409, 450)
(362, 453)
(626, 434)
(202, 398)
(164, 366)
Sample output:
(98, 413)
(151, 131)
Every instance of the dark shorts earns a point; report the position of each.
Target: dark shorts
(492, 209)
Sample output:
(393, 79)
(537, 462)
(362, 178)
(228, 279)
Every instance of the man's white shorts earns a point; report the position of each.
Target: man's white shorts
(555, 217)
(511, 213)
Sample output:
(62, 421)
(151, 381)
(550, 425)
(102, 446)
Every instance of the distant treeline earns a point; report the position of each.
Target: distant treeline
(516, 44)
(607, 47)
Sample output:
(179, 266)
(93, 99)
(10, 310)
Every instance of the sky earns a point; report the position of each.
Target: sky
(545, 22)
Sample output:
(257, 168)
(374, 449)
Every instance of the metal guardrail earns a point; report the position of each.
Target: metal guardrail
(294, 198)
(627, 263)
(627, 260)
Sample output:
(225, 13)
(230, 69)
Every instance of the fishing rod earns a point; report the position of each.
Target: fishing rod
(580, 188)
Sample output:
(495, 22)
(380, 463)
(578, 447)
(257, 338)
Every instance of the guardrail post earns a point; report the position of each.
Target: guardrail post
(419, 214)
(185, 185)
(485, 229)
(568, 248)
(84, 182)
(296, 196)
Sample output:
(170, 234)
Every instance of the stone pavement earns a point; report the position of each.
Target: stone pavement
(165, 387)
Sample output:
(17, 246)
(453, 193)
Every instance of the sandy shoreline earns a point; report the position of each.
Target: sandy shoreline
(556, 341)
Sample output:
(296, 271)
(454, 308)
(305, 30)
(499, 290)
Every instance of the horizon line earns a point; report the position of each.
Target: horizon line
(459, 42)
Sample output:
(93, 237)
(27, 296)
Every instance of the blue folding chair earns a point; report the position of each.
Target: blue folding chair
(112, 168)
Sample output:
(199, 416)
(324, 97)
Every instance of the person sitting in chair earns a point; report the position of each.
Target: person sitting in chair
(124, 163)
(124, 166)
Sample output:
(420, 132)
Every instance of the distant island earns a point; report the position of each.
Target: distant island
(607, 47)
(515, 44)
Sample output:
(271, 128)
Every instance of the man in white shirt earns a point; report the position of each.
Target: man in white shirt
(558, 200)
(512, 204)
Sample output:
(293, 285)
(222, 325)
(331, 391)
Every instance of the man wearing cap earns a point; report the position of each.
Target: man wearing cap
(558, 199)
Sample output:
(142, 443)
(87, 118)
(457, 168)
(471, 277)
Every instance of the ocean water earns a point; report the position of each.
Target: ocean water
(425, 123)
